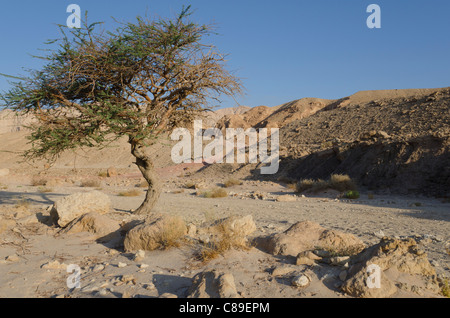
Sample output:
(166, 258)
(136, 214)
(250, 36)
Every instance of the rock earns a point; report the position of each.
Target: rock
(393, 258)
(12, 258)
(4, 172)
(301, 281)
(54, 265)
(343, 275)
(213, 284)
(156, 232)
(121, 265)
(282, 270)
(286, 198)
(234, 228)
(98, 224)
(379, 234)
(306, 235)
(168, 295)
(139, 256)
(111, 172)
(72, 206)
(98, 268)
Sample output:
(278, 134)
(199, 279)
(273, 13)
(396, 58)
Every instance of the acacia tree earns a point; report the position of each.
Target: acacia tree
(139, 81)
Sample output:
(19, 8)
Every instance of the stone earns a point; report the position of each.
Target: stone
(139, 256)
(98, 224)
(66, 209)
(156, 232)
(111, 172)
(282, 270)
(307, 235)
(394, 258)
(121, 265)
(12, 258)
(235, 228)
(54, 265)
(301, 281)
(286, 198)
(213, 284)
(168, 295)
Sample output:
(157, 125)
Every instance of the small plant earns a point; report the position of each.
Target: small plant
(22, 203)
(130, 193)
(339, 182)
(216, 193)
(102, 174)
(3, 186)
(91, 184)
(352, 194)
(445, 288)
(45, 189)
(232, 182)
(38, 181)
(223, 240)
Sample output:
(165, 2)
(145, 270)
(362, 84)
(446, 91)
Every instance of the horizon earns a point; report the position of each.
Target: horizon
(281, 51)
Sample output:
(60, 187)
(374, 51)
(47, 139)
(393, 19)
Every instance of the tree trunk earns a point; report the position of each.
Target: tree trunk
(145, 165)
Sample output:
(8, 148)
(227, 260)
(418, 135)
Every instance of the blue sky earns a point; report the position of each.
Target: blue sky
(283, 50)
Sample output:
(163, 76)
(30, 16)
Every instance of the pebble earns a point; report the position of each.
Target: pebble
(121, 265)
(301, 281)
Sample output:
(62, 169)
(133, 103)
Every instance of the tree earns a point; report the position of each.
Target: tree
(140, 81)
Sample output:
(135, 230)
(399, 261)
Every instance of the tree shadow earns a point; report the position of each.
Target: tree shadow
(8, 197)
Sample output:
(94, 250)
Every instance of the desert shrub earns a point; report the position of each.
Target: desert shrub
(130, 193)
(232, 182)
(337, 182)
(445, 288)
(215, 193)
(222, 241)
(102, 174)
(45, 189)
(91, 183)
(341, 182)
(38, 181)
(352, 194)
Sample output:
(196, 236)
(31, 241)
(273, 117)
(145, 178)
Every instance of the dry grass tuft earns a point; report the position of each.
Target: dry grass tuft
(38, 181)
(232, 182)
(130, 193)
(220, 242)
(91, 183)
(45, 189)
(215, 193)
(339, 182)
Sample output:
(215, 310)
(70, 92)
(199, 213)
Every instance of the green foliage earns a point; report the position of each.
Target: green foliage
(139, 80)
(352, 194)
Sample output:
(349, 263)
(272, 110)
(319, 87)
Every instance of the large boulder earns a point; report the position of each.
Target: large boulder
(306, 235)
(100, 225)
(213, 284)
(66, 209)
(234, 228)
(156, 232)
(399, 263)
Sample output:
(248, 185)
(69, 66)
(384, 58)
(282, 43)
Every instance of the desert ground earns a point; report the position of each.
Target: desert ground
(35, 252)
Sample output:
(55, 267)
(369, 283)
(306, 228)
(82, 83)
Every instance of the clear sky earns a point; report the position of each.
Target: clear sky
(283, 50)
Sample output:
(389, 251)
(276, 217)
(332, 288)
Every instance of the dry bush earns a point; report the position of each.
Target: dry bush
(22, 203)
(220, 242)
(102, 174)
(38, 181)
(216, 193)
(341, 182)
(337, 182)
(45, 189)
(91, 183)
(130, 193)
(232, 182)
